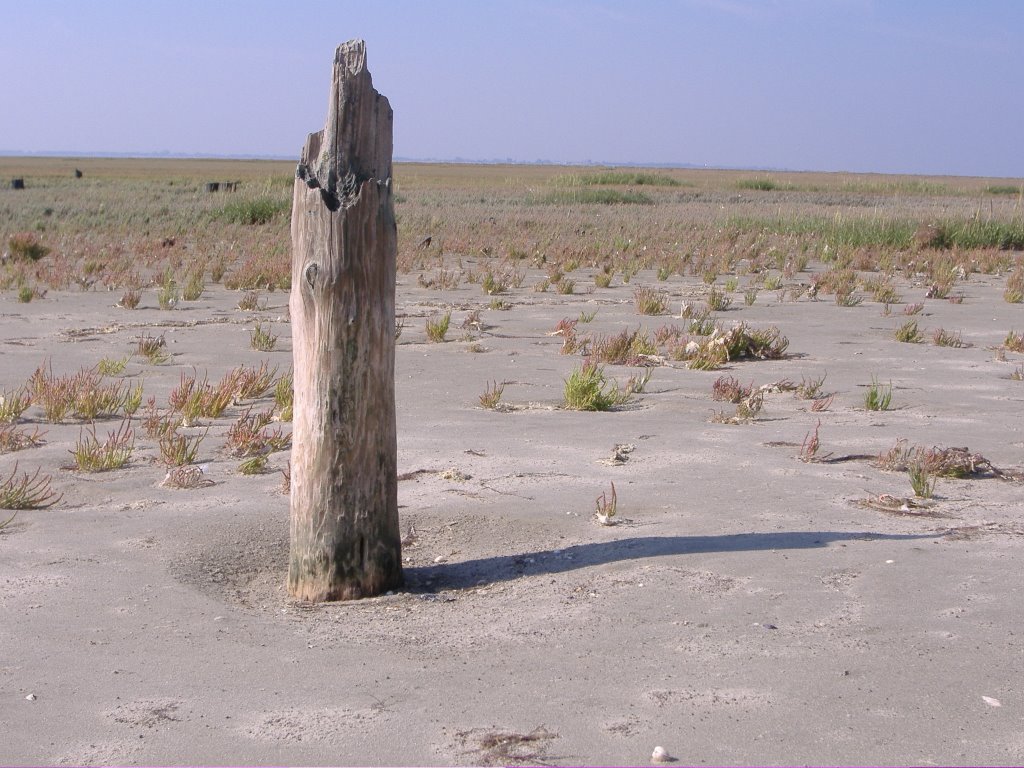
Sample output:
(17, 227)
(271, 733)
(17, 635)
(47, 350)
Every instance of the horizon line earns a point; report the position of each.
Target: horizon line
(588, 163)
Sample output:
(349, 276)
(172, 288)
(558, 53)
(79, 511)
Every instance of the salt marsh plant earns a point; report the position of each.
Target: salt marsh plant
(848, 298)
(934, 462)
(13, 403)
(718, 301)
(254, 465)
(132, 400)
(54, 395)
(763, 185)
(153, 349)
(637, 384)
(921, 480)
(194, 286)
(492, 395)
(251, 302)
(730, 390)
(625, 348)
(592, 197)
(571, 343)
(83, 394)
(491, 284)
(746, 410)
(745, 342)
(811, 389)
(27, 491)
(823, 403)
(93, 398)
(112, 366)
(251, 436)
(565, 286)
(284, 397)
(607, 506)
(254, 211)
(1014, 293)
(93, 455)
(908, 332)
(217, 270)
(181, 393)
(262, 339)
(130, 299)
(251, 383)
(811, 445)
(707, 356)
(196, 399)
(603, 277)
(913, 309)
(621, 178)
(437, 327)
(940, 288)
(14, 438)
(878, 397)
(586, 389)
(445, 280)
(649, 301)
(897, 458)
(167, 294)
(177, 449)
(943, 338)
(1014, 342)
(26, 247)
(158, 423)
(882, 290)
(701, 323)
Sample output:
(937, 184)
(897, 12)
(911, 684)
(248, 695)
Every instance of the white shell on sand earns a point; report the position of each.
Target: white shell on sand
(660, 755)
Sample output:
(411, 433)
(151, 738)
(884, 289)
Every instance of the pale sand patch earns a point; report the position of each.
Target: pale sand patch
(746, 610)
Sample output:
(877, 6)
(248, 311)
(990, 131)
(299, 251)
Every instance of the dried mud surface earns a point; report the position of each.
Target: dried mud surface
(745, 609)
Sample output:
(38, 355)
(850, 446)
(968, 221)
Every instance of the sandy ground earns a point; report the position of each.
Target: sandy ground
(746, 609)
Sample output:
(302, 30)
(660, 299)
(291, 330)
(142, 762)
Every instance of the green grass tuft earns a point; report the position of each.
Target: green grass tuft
(260, 210)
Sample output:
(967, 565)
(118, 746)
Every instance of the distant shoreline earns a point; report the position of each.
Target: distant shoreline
(459, 161)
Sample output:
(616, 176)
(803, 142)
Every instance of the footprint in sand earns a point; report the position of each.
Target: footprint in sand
(324, 724)
(100, 753)
(711, 698)
(148, 713)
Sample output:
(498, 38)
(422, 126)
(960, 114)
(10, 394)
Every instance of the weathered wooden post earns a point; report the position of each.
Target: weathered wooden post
(345, 540)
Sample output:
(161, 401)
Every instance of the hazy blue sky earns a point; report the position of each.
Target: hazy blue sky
(910, 86)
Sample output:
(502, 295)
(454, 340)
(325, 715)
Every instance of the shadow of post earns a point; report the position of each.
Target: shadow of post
(490, 570)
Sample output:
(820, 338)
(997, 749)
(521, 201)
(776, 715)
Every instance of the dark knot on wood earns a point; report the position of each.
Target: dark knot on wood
(311, 273)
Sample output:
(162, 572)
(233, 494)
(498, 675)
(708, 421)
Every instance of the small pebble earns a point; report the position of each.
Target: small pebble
(30, 697)
(439, 559)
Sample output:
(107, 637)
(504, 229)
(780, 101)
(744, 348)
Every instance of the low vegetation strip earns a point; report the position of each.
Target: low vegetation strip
(901, 234)
(617, 178)
(260, 210)
(574, 196)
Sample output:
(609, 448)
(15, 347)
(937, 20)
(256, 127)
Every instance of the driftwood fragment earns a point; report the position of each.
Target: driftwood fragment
(345, 537)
